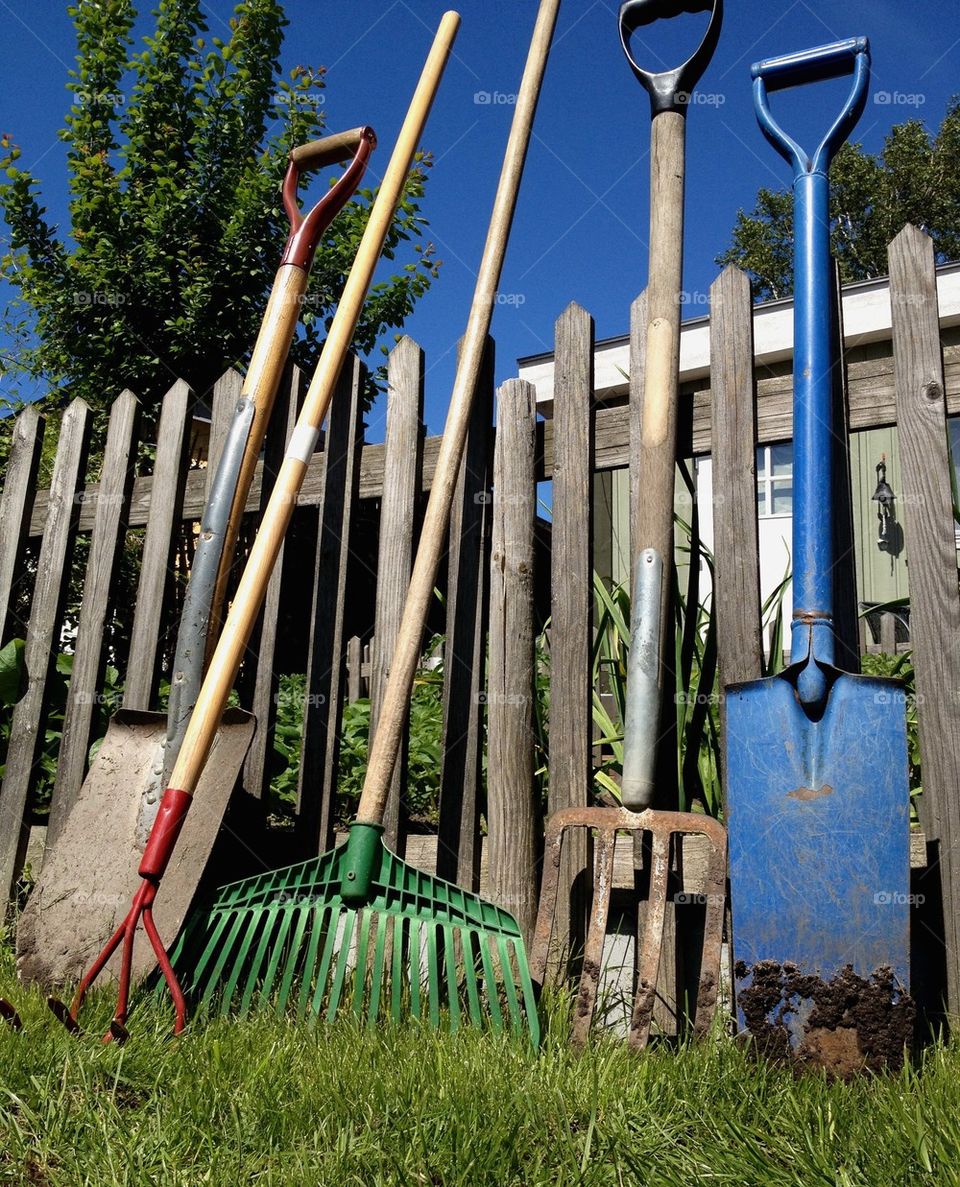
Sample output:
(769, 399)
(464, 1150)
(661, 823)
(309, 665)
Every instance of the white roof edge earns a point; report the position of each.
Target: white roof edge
(866, 318)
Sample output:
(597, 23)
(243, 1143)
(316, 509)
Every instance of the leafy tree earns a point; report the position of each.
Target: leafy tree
(916, 179)
(176, 155)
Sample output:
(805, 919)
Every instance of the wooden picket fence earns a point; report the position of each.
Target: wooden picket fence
(493, 587)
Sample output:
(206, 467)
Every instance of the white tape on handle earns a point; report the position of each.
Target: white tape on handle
(303, 441)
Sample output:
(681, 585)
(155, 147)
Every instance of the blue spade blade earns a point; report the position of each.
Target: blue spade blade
(818, 820)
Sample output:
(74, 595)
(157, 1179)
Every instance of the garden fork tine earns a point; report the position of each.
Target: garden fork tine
(604, 825)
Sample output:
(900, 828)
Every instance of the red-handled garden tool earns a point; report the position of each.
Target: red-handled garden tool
(201, 730)
(77, 904)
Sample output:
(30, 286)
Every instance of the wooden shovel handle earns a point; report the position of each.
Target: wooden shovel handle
(253, 584)
(656, 458)
(393, 712)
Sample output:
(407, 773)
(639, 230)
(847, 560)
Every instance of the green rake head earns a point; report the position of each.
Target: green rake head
(358, 929)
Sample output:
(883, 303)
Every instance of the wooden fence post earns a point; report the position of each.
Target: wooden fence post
(163, 530)
(402, 468)
(514, 827)
(326, 675)
(16, 507)
(571, 610)
(106, 541)
(736, 548)
(464, 657)
(932, 553)
(43, 639)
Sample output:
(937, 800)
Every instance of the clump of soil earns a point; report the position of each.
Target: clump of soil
(856, 1024)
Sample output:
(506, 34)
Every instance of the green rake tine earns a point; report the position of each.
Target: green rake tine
(223, 955)
(414, 964)
(379, 961)
(508, 984)
(454, 991)
(343, 960)
(293, 960)
(214, 945)
(360, 975)
(470, 973)
(493, 997)
(396, 985)
(264, 949)
(331, 926)
(286, 953)
(241, 963)
(433, 974)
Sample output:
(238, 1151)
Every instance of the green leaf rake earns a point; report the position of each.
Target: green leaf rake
(358, 928)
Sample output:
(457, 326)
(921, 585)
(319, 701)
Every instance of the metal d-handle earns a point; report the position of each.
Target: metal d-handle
(812, 629)
(813, 65)
(670, 90)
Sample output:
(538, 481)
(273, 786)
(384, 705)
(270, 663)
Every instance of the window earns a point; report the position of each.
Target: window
(775, 480)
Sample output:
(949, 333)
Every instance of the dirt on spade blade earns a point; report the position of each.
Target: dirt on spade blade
(855, 1025)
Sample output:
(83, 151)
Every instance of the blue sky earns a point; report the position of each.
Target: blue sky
(580, 232)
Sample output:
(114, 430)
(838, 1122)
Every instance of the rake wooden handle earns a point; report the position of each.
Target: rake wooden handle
(393, 712)
(253, 584)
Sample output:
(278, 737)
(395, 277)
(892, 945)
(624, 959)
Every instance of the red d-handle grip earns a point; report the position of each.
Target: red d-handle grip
(305, 230)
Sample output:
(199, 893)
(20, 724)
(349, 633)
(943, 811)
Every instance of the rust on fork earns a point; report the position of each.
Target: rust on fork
(604, 825)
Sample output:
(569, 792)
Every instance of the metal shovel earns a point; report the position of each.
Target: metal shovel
(669, 93)
(89, 871)
(817, 783)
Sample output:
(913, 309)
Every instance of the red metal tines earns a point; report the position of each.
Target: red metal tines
(156, 855)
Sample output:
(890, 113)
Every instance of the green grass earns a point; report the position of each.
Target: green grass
(264, 1101)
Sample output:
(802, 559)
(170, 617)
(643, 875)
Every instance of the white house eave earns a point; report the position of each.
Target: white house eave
(866, 318)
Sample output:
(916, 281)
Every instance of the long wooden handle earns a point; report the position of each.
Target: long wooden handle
(253, 584)
(393, 712)
(658, 438)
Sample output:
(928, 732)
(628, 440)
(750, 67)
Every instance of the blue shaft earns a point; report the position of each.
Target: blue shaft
(813, 423)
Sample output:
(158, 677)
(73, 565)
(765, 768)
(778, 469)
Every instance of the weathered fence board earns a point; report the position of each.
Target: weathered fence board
(736, 607)
(931, 548)
(571, 634)
(19, 488)
(40, 652)
(458, 850)
(320, 752)
(398, 514)
(163, 529)
(106, 539)
(513, 823)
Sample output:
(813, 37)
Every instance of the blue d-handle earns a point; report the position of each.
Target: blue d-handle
(812, 629)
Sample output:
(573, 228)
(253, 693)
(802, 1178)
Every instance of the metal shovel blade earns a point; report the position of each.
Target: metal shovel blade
(90, 875)
(603, 825)
(818, 822)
